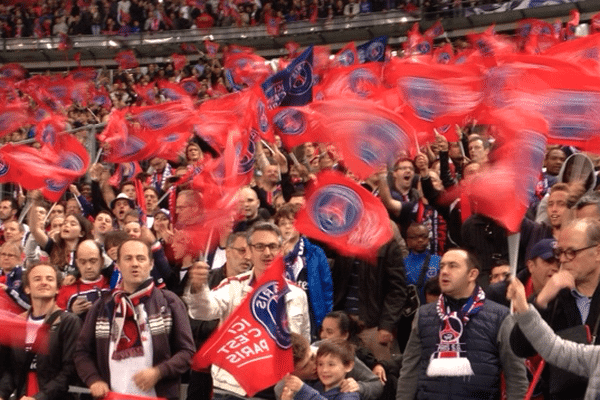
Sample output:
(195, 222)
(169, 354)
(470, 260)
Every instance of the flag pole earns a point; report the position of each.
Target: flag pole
(204, 256)
(49, 211)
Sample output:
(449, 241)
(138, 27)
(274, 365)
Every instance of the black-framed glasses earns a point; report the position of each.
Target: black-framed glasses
(260, 247)
(570, 254)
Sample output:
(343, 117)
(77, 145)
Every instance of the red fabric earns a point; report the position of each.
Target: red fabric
(513, 176)
(247, 68)
(344, 215)
(253, 344)
(179, 61)
(346, 56)
(437, 94)
(368, 136)
(146, 92)
(13, 71)
(14, 333)
(188, 48)
(13, 116)
(123, 396)
(358, 81)
(148, 131)
(292, 48)
(49, 128)
(172, 90)
(273, 25)
(126, 59)
(435, 30)
(32, 384)
(491, 45)
(443, 54)
(320, 58)
(572, 23)
(595, 24)
(417, 43)
(7, 304)
(211, 48)
(124, 172)
(298, 125)
(52, 169)
(191, 86)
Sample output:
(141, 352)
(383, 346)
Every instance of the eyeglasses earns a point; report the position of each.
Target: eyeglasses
(570, 254)
(8, 255)
(260, 247)
(83, 261)
(240, 250)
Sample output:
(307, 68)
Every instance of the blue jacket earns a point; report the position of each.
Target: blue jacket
(308, 393)
(320, 284)
(14, 283)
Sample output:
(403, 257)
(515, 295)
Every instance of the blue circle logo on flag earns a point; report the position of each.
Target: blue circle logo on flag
(6, 118)
(127, 170)
(301, 78)
(189, 87)
(261, 113)
(346, 57)
(375, 51)
(55, 186)
(132, 146)
(246, 162)
(4, 167)
(171, 138)
(48, 134)
(360, 81)
(424, 97)
(152, 119)
(423, 47)
(290, 121)
(268, 308)
(71, 161)
(381, 142)
(571, 114)
(336, 209)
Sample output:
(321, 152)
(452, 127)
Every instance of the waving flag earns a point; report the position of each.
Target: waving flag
(49, 128)
(191, 86)
(172, 91)
(346, 56)
(13, 71)
(14, 333)
(124, 172)
(273, 24)
(126, 59)
(369, 137)
(344, 215)
(13, 116)
(444, 54)
(357, 81)
(439, 94)
(595, 23)
(293, 85)
(292, 48)
(211, 48)
(417, 43)
(373, 50)
(146, 92)
(179, 61)
(188, 48)
(247, 68)
(52, 169)
(254, 343)
(491, 46)
(298, 125)
(515, 171)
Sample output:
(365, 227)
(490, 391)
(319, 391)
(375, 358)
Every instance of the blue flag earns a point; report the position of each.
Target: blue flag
(293, 85)
(373, 50)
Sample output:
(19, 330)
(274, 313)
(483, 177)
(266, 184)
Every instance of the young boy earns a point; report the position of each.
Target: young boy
(335, 358)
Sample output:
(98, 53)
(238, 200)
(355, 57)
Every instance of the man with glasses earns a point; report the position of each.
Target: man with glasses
(79, 296)
(265, 244)
(570, 299)
(11, 273)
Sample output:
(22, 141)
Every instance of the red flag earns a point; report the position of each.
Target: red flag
(126, 59)
(572, 24)
(344, 215)
(513, 176)
(14, 333)
(13, 116)
(298, 125)
(346, 56)
(191, 86)
(13, 71)
(53, 168)
(254, 344)
(84, 74)
(7, 304)
(123, 396)
(417, 43)
(273, 25)
(179, 61)
(188, 48)
(438, 94)
(148, 131)
(124, 172)
(595, 24)
(292, 48)
(444, 54)
(49, 128)
(146, 92)
(435, 30)
(101, 97)
(313, 12)
(358, 81)
(64, 42)
(77, 58)
(172, 90)
(247, 68)
(491, 45)
(321, 58)
(211, 48)
(368, 136)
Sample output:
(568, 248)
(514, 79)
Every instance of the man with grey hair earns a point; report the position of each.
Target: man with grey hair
(570, 299)
(265, 243)
(588, 206)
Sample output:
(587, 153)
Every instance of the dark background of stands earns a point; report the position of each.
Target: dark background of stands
(41, 54)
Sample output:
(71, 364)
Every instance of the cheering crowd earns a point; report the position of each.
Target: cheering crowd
(121, 277)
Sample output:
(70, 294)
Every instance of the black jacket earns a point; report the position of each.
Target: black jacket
(55, 370)
(382, 287)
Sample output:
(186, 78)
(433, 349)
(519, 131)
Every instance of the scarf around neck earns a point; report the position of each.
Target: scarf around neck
(450, 358)
(127, 321)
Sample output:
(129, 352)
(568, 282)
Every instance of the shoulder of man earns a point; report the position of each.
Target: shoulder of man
(235, 279)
